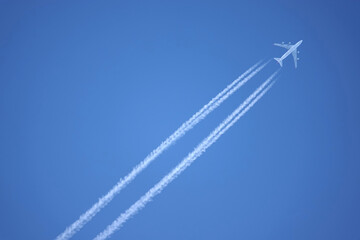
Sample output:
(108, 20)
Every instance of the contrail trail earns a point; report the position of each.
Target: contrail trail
(207, 142)
(189, 124)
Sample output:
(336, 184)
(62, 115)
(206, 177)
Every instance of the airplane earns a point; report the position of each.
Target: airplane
(291, 49)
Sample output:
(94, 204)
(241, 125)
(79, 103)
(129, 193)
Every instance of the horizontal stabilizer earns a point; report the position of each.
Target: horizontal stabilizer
(279, 61)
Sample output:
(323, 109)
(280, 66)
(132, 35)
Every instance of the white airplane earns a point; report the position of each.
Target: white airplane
(291, 49)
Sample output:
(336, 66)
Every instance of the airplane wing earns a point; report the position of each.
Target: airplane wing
(294, 53)
(287, 46)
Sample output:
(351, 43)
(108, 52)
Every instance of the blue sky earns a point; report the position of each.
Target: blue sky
(89, 88)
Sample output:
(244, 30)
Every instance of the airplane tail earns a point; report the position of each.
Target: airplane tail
(279, 61)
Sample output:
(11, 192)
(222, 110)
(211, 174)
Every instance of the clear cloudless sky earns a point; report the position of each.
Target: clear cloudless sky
(89, 88)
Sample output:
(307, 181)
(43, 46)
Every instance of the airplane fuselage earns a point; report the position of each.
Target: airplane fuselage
(293, 48)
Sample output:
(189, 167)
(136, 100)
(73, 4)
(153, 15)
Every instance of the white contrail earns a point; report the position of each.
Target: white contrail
(196, 118)
(207, 142)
